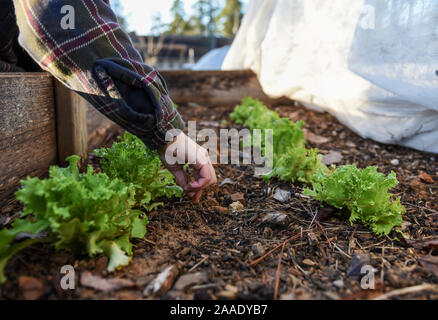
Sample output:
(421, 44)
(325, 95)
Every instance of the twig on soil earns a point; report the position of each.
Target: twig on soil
(313, 218)
(342, 251)
(373, 245)
(310, 213)
(253, 263)
(277, 275)
(233, 251)
(250, 220)
(422, 207)
(300, 271)
(198, 264)
(414, 289)
(150, 241)
(324, 232)
(304, 273)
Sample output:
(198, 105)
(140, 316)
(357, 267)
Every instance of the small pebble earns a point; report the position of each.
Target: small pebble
(267, 233)
(183, 253)
(333, 157)
(282, 195)
(236, 206)
(190, 279)
(230, 292)
(275, 218)
(258, 249)
(226, 181)
(339, 283)
(309, 262)
(237, 197)
(290, 295)
(395, 162)
(220, 209)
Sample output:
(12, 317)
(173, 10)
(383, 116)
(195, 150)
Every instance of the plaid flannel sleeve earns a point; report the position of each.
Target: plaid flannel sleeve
(81, 44)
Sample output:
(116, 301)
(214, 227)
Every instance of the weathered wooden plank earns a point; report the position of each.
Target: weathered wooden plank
(27, 128)
(100, 128)
(71, 123)
(214, 88)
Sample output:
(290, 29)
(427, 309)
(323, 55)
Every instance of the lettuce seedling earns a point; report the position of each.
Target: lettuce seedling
(292, 160)
(254, 115)
(298, 164)
(84, 213)
(363, 192)
(132, 162)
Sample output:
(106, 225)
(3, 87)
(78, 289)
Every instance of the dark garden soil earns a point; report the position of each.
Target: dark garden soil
(214, 250)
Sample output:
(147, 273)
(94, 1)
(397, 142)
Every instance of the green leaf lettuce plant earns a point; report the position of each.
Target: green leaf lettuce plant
(132, 162)
(84, 213)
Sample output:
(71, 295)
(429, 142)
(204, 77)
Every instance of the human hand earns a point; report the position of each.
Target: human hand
(183, 150)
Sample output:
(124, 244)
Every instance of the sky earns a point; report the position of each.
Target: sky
(139, 13)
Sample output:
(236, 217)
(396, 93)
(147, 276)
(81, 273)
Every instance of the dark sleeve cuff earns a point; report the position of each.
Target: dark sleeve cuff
(140, 105)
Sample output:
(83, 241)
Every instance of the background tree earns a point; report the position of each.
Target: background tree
(117, 7)
(204, 17)
(158, 26)
(208, 18)
(230, 18)
(179, 25)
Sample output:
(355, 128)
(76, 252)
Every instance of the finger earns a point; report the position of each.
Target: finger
(198, 196)
(180, 179)
(203, 179)
(213, 175)
(191, 195)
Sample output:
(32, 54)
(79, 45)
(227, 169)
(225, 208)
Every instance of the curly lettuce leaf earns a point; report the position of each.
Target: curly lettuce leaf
(364, 192)
(117, 257)
(6, 255)
(82, 212)
(132, 162)
(7, 237)
(299, 164)
(292, 160)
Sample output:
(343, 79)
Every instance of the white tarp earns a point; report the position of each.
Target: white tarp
(371, 63)
(212, 60)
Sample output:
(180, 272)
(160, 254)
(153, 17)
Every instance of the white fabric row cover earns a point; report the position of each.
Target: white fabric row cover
(212, 60)
(371, 63)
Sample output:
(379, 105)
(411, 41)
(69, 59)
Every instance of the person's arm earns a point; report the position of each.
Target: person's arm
(93, 56)
(97, 60)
